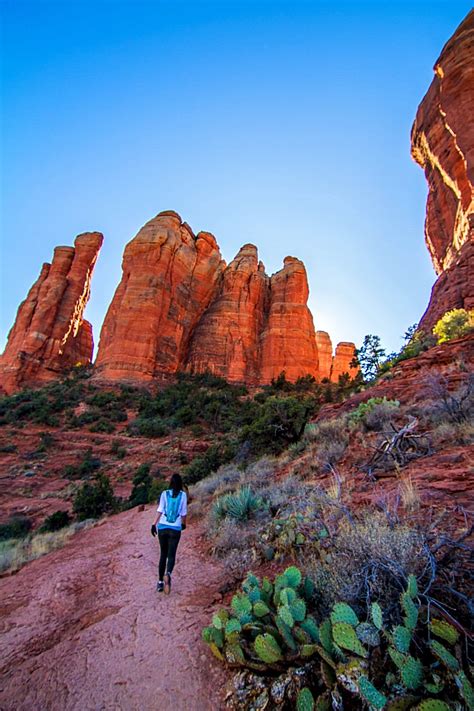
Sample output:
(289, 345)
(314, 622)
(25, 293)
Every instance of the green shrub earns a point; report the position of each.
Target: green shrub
(279, 422)
(156, 489)
(454, 324)
(57, 520)
(94, 500)
(102, 425)
(15, 527)
(329, 439)
(210, 461)
(8, 449)
(142, 482)
(375, 412)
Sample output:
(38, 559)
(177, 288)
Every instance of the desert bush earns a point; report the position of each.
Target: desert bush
(15, 527)
(149, 427)
(94, 500)
(329, 439)
(454, 324)
(366, 559)
(85, 468)
(280, 421)
(142, 482)
(54, 522)
(232, 540)
(375, 413)
(117, 449)
(450, 406)
(157, 487)
(204, 464)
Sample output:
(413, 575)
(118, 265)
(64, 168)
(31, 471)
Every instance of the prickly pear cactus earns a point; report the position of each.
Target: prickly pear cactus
(305, 700)
(341, 612)
(267, 649)
(369, 693)
(443, 630)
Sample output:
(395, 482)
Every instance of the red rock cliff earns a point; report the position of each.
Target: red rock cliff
(170, 277)
(288, 342)
(179, 307)
(443, 144)
(49, 333)
(226, 340)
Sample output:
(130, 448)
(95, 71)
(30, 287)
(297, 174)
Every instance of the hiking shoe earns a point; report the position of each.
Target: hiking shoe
(160, 586)
(167, 583)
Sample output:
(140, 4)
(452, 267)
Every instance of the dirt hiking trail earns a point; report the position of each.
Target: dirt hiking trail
(83, 628)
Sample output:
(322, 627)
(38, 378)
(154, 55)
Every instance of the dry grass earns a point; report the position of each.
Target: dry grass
(15, 553)
(365, 560)
(409, 494)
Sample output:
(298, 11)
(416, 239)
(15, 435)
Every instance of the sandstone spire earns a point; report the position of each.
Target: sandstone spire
(49, 333)
(169, 277)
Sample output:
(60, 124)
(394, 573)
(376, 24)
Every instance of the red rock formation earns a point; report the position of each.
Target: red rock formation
(288, 342)
(227, 337)
(324, 346)
(170, 277)
(342, 360)
(443, 144)
(49, 333)
(178, 307)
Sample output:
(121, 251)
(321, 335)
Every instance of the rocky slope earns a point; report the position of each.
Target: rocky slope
(443, 145)
(50, 334)
(180, 307)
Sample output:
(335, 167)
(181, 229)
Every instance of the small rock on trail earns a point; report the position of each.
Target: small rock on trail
(84, 628)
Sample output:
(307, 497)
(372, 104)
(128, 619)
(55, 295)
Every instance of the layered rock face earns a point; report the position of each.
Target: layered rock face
(180, 308)
(169, 278)
(226, 340)
(49, 333)
(288, 342)
(443, 144)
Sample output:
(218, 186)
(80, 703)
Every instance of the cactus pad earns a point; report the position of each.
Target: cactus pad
(287, 596)
(432, 705)
(234, 654)
(260, 609)
(341, 612)
(285, 632)
(412, 673)
(444, 655)
(465, 688)
(241, 605)
(444, 630)
(325, 636)
(410, 610)
(284, 614)
(219, 620)
(298, 610)
(293, 576)
(345, 636)
(376, 615)
(305, 700)
(267, 649)
(232, 626)
(401, 638)
(311, 628)
(368, 692)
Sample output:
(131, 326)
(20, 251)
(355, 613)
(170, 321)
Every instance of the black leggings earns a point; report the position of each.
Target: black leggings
(169, 540)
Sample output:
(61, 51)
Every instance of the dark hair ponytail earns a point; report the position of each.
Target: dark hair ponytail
(176, 484)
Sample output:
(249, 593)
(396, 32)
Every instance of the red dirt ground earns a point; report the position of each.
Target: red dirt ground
(83, 628)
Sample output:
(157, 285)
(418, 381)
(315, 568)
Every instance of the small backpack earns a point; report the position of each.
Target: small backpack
(173, 505)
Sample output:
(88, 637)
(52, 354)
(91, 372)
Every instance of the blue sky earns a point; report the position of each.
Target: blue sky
(285, 124)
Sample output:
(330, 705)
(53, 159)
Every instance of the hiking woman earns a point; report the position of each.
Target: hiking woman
(171, 515)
